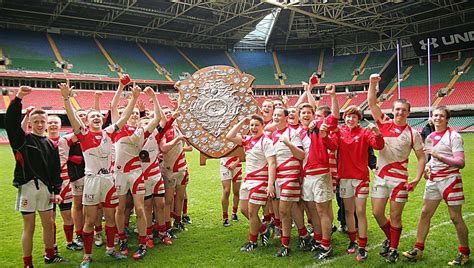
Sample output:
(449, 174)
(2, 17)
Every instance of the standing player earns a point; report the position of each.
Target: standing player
(36, 176)
(54, 125)
(289, 153)
(129, 175)
(353, 143)
(447, 158)
(260, 178)
(231, 175)
(391, 177)
(99, 187)
(174, 171)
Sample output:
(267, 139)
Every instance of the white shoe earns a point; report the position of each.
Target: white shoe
(98, 240)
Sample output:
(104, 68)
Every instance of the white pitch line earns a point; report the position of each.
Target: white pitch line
(410, 233)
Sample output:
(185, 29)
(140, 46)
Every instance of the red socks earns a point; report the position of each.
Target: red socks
(317, 237)
(253, 238)
(263, 228)
(69, 232)
(362, 242)
(352, 236)
(285, 241)
(110, 235)
(49, 253)
(88, 239)
(326, 243)
(122, 236)
(142, 240)
(303, 232)
(27, 261)
(386, 229)
(464, 250)
(234, 210)
(395, 233)
(420, 246)
(168, 225)
(225, 215)
(277, 222)
(98, 229)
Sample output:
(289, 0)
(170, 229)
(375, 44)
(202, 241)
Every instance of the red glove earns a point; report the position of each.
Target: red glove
(125, 79)
(314, 79)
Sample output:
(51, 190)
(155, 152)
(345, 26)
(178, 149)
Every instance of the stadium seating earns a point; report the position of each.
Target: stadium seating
(462, 94)
(258, 64)
(206, 57)
(375, 63)
(417, 95)
(133, 61)
(298, 65)
(170, 59)
(28, 51)
(340, 68)
(441, 73)
(83, 54)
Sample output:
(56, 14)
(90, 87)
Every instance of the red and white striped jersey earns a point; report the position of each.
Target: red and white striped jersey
(446, 143)
(399, 141)
(230, 161)
(151, 166)
(64, 144)
(97, 148)
(174, 160)
(256, 152)
(128, 144)
(288, 167)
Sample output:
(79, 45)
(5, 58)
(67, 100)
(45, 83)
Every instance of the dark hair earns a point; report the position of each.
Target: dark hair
(445, 109)
(38, 111)
(325, 109)
(257, 117)
(306, 105)
(285, 111)
(402, 101)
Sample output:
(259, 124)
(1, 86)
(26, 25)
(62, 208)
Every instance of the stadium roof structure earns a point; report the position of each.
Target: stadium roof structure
(346, 24)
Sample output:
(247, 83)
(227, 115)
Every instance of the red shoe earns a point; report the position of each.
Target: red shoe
(150, 243)
(166, 241)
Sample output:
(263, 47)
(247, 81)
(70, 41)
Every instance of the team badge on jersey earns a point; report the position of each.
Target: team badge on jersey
(24, 203)
(398, 131)
(98, 137)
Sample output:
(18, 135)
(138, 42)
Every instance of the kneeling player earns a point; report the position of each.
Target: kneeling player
(260, 179)
(447, 157)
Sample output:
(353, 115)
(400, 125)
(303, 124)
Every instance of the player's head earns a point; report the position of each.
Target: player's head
(352, 116)
(280, 117)
(267, 109)
(322, 112)
(94, 120)
(82, 115)
(401, 110)
(134, 117)
(167, 112)
(54, 125)
(144, 121)
(38, 121)
(278, 103)
(293, 118)
(256, 125)
(440, 117)
(306, 114)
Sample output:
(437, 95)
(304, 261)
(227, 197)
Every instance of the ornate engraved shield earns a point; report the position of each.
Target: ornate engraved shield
(213, 100)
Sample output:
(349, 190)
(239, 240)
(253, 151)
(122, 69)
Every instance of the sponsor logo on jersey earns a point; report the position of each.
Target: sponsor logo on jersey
(98, 137)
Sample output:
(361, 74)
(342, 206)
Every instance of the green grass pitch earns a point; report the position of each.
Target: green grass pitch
(208, 244)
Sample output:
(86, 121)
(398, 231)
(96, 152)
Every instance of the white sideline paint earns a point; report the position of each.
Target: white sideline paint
(410, 233)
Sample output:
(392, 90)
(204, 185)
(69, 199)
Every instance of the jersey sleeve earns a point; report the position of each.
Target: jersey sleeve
(457, 142)
(267, 147)
(82, 134)
(384, 121)
(112, 131)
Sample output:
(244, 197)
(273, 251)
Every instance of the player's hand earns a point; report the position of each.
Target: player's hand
(330, 89)
(427, 172)
(285, 99)
(65, 89)
(270, 191)
(372, 127)
(125, 80)
(412, 185)
(284, 139)
(136, 92)
(97, 94)
(323, 129)
(149, 92)
(23, 91)
(431, 151)
(375, 78)
(141, 105)
(57, 199)
(312, 125)
(29, 109)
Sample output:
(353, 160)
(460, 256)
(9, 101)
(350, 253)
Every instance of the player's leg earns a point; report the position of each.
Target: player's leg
(427, 212)
(139, 205)
(48, 236)
(149, 220)
(316, 223)
(90, 216)
(178, 207)
(396, 209)
(235, 198)
(98, 240)
(160, 221)
(326, 229)
(362, 226)
(297, 214)
(68, 226)
(27, 237)
(285, 215)
(455, 213)
(77, 209)
(349, 209)
(169, 197)
(120, 223)
(226, 185)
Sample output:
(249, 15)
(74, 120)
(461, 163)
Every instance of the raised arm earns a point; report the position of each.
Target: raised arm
(97, 96)
(123, 82)
(16, 135)
(372, 97)
(331, 90)
(233, 134)
(26, 119)
(129, 109)
(66, 93)
(153, 123)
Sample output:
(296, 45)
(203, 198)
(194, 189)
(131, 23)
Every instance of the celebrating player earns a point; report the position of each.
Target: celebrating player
(444, 182)
(391, 177)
